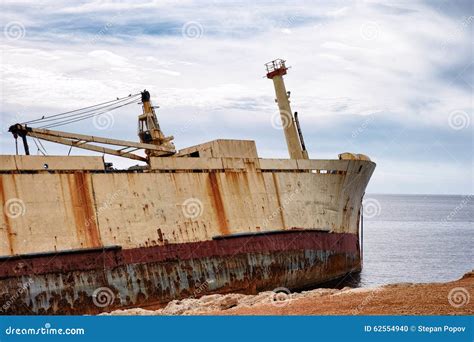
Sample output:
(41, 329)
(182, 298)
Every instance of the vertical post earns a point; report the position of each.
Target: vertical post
(361, 242)
(19, 131)
(25, 144)
(275, 71)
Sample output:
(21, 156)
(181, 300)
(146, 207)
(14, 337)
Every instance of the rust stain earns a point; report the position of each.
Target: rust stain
(160, 236)
(218, 204)
(131, 178)
(238, 266)
(84, 214)
(6, 219)
(280, 207)
(346, 215)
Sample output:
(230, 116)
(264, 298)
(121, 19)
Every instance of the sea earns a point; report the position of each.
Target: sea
(416, 238)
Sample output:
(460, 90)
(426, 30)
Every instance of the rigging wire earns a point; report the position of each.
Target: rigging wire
(85, 116)
(39, 150)
(90, 108)
(78, 113)
(37, 141)
(41, 144)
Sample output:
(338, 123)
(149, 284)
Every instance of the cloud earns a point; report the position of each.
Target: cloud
(408, 64)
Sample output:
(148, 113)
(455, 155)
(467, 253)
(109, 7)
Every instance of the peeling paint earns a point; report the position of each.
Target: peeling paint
(142, 248)
(155, 280)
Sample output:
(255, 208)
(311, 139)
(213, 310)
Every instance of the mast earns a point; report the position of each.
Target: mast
(275, 71)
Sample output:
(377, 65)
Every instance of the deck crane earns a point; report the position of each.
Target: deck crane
(152, 139)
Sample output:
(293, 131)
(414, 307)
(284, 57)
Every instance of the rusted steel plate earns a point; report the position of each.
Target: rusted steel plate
(154, 275)
(75, 260)
(133, 210)
(99, 258)
(51, 163)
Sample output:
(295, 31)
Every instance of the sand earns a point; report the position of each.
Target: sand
(451, 298)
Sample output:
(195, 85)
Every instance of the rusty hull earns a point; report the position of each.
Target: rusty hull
(65, 283)
(255, 224)
(65, 210)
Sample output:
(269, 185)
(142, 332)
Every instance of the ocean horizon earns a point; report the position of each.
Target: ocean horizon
(416, 238)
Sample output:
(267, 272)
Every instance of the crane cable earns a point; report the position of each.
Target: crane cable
(85, 112)
(84, 116)
(37, 146)
(41, 144)
(79, 112)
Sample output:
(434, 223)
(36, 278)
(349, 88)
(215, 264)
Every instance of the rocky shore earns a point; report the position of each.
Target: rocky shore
(451, 298)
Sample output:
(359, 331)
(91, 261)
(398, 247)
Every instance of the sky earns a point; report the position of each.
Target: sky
(390, 79)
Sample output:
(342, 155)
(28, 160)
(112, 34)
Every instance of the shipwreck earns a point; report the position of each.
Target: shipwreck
(80, 237)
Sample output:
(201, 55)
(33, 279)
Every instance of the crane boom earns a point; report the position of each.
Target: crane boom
(84, 142)
(152, 139)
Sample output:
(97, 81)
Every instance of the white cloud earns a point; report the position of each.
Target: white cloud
(347, 58)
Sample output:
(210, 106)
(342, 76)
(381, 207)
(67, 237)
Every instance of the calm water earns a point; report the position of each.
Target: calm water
(417, 238)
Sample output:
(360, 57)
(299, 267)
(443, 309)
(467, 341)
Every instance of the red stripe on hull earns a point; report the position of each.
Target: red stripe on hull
(68, 282)
(110, 258)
